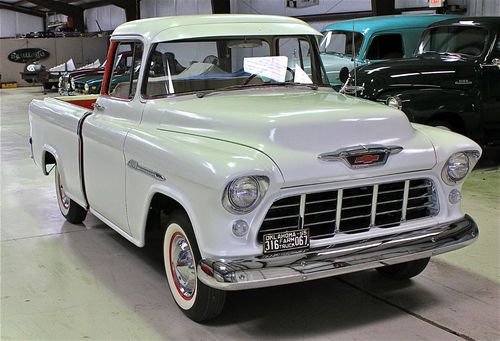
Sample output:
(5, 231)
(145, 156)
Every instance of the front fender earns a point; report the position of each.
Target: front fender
(195, 171)
(425, 105)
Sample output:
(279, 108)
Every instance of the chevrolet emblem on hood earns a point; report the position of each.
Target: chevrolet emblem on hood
(362, 156)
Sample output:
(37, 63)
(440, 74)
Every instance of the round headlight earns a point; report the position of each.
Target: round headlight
(243, 194)
(456, 168)
(72, 82)
(394, 102)
(86, 87)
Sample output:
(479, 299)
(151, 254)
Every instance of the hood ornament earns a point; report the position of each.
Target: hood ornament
(361, 156)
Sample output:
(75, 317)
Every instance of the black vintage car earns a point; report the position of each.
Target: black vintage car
(452, 82)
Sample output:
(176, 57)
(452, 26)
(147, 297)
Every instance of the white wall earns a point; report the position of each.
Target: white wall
(483, 8)
(278, 7)
(163, 8)
(12, 23)
(109, 17)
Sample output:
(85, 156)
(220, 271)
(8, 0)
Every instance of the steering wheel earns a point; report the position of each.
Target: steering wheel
(252, 76)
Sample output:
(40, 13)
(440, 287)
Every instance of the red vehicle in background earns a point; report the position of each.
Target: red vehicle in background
(67, 81)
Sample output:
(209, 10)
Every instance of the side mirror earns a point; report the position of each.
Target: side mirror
(344, 75)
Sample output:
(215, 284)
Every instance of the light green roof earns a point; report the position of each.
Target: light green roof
(198, 26)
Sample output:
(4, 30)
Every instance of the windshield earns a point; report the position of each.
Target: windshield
(341, 42)
(464, 40)
(209, 64)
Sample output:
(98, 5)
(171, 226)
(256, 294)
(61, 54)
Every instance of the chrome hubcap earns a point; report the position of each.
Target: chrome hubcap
(62, 194)
(183, 266)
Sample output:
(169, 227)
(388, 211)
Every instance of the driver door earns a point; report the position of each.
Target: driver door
(104, 133)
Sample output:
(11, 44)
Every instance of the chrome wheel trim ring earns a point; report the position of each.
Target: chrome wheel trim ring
(182, 266)
(63, 199)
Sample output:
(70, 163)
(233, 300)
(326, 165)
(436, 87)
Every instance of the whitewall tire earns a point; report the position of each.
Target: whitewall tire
(73, 212)
(181, 256)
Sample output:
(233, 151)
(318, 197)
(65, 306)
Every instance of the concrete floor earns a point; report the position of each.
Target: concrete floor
(64, 281)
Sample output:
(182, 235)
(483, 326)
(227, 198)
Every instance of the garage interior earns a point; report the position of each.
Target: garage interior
(65, 281)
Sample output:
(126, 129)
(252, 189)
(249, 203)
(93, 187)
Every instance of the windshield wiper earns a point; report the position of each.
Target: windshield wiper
(201, 94)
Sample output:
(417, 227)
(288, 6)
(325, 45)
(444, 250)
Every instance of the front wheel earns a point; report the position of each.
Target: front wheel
(198, 301)
(73, 212)
(405, 270)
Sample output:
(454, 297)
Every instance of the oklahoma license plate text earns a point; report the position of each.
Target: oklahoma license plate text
(286, 241)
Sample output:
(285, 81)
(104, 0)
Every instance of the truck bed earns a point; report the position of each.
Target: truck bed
(55, 124)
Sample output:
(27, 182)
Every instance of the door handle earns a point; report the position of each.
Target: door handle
(98, 107)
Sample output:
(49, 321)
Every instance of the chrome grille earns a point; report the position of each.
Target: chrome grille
(352, 210)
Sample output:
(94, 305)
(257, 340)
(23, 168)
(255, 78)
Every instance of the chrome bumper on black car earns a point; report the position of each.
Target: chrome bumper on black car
(336, 259)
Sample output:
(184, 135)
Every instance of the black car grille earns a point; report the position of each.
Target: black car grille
(352, 210)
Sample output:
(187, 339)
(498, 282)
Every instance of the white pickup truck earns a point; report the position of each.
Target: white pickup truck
(252, 170)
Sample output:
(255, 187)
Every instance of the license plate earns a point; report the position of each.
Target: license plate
(286, 241)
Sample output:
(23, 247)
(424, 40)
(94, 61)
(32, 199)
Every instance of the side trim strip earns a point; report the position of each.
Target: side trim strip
(135, 165)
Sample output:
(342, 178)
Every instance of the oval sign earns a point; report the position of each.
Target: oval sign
(28, 55)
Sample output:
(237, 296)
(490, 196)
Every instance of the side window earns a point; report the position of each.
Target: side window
(126, 67)
(386, 46)
(496, 50)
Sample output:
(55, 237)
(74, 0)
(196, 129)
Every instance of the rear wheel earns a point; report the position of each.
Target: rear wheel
(181, 255)
(404, 270)
(73, 212)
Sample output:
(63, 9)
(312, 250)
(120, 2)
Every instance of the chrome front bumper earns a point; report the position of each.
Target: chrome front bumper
(337, 259)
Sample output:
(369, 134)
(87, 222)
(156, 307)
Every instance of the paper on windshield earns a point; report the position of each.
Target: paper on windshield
(301, 76)
(270, 67)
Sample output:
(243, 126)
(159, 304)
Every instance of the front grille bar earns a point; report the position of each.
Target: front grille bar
(373, 213)
(338, 212)
(359, 209)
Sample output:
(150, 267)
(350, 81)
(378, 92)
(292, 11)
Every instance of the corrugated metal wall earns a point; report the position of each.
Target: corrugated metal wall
(161, 8)
(13, 23)
(109, 17)
(483, 8)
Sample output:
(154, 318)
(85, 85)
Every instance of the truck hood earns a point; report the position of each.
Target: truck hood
(294, 126)
(427, 70)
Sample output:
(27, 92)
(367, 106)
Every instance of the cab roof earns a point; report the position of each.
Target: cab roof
(215, 25)
(387, 22)
(471, 21)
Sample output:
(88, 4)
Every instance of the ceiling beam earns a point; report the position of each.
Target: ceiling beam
(75, 12)
(10, 6)
(94, 4)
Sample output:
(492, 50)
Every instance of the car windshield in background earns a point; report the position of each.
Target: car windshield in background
(464, 40)
(341, 42)
(200, 65)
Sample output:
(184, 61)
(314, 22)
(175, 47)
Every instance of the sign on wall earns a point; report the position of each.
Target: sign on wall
(436, 3)
(301, 3)
(28, 55)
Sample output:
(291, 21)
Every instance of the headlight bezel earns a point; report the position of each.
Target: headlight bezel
(228, 202)
(394, 102)
(471, 158)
